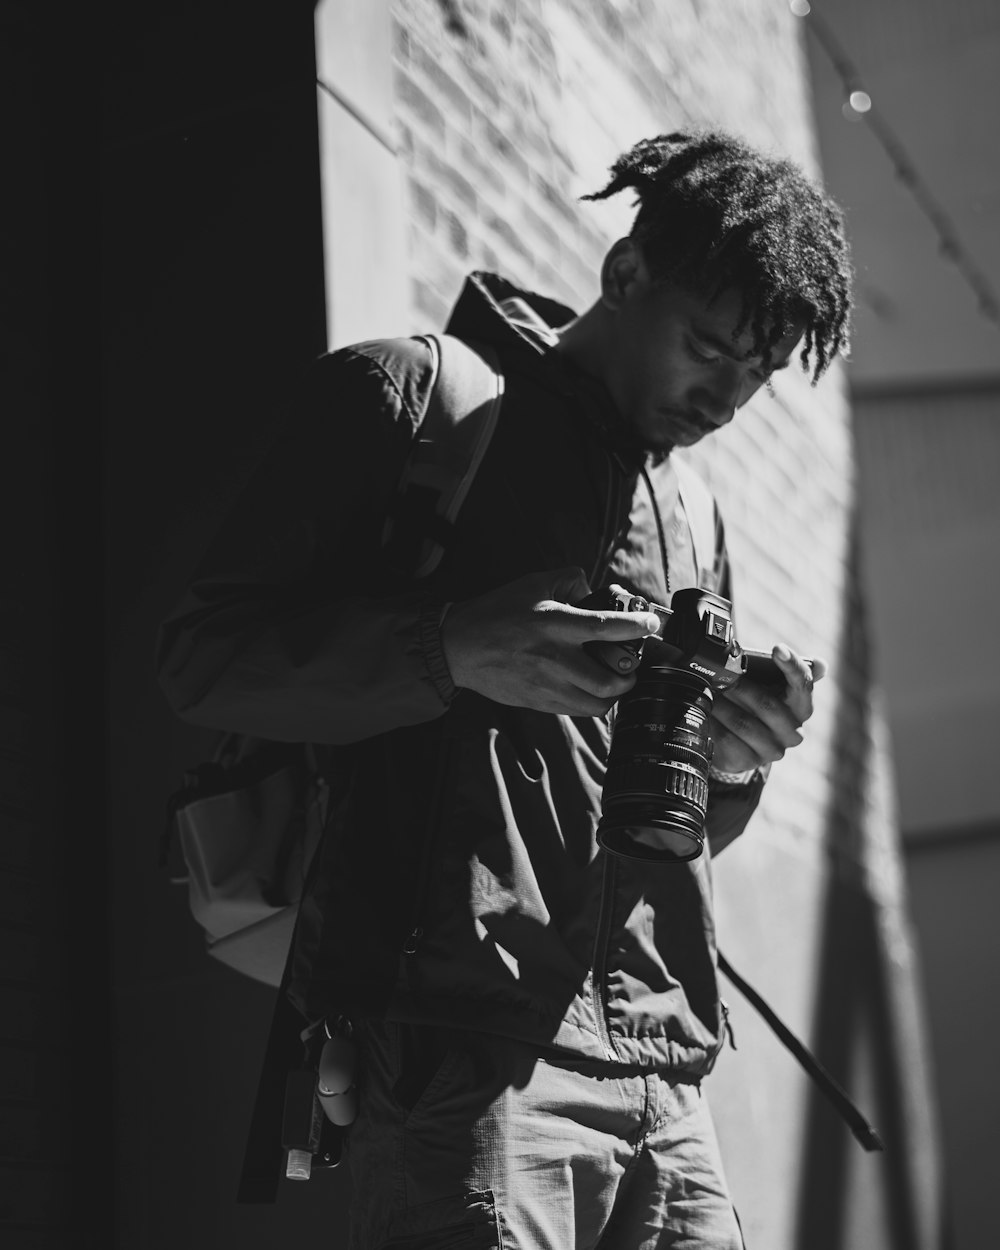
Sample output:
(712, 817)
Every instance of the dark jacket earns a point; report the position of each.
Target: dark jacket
(460, 883)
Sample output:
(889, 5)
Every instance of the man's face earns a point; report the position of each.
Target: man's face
(673, 367)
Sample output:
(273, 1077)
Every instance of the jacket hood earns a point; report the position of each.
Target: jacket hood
(494, 311)
(522, 325)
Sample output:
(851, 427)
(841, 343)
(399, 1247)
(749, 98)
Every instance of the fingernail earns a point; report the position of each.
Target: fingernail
(782, 652)
(653, 624)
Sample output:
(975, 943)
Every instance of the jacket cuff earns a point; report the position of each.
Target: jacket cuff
(730, 809)
(432, 613)
(731, 779)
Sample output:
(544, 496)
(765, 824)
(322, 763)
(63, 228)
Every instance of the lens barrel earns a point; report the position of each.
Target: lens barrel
(656, 787)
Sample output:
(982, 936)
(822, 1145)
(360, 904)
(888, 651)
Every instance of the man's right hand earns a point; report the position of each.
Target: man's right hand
(522, 645)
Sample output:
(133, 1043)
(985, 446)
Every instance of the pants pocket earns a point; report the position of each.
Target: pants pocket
(465, 1222)
(424, 1057)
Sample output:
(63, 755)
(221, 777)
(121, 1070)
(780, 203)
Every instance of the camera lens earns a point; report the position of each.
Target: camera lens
(656, 787)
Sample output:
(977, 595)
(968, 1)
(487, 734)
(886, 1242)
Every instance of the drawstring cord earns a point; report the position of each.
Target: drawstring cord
(659, 530)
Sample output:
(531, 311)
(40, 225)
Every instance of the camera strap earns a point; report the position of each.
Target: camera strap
(826, 1084)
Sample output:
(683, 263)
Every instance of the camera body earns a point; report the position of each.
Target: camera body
(696, 634)
(655, 795)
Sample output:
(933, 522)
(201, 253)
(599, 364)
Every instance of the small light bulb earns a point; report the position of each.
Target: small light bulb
(860, 101)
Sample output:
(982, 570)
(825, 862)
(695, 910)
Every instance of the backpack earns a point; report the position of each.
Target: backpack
(242, 829)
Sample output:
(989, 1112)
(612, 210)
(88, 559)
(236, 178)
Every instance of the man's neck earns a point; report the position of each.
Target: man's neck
(584, 341)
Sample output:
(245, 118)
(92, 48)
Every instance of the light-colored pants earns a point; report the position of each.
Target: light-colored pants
(469, 1140)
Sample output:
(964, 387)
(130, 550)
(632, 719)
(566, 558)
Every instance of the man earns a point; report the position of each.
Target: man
(534, 1015)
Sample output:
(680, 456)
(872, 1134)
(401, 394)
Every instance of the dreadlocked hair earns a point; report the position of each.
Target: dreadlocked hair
(711, 207)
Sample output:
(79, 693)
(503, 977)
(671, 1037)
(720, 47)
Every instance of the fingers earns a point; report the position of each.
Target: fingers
(731, 753)
(800, 677)
(758, 722)
(597, 674)
(527, 644)
(575, 701)
(619, 657)
(577, 625)
(573, 624)
(523, 646)
(754, 724)
(798, 674)
(574, 690)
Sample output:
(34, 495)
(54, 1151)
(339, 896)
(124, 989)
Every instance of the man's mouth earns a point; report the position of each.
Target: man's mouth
(686, 423)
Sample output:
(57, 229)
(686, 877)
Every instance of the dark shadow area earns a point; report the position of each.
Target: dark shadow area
(54, 954)
(212, 305)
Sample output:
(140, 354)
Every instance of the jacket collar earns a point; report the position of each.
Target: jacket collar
(522, 325)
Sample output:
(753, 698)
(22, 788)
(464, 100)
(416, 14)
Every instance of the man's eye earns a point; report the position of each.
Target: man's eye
(701, 357)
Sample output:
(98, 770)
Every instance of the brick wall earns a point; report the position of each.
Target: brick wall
(504, 126)
(508, 111)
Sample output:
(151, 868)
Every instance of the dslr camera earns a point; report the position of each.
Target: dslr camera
(656, 788)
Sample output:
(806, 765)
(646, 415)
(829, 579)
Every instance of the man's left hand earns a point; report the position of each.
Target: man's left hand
(753, 725)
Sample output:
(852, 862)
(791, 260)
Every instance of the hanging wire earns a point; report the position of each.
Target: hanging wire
(859, 103)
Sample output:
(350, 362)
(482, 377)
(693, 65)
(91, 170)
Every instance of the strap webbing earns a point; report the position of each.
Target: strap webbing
(264, 1157)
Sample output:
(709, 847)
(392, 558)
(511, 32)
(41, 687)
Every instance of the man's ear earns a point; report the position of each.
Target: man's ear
(623, 267)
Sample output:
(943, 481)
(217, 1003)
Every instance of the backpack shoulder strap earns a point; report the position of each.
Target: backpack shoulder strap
(699, 508)
(457, 426)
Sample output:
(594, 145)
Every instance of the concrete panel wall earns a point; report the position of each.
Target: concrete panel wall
(364, 231)
(928, 461)
(953, 885)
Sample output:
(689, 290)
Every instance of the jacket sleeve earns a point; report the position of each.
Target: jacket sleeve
(729, 807)
(286, 631)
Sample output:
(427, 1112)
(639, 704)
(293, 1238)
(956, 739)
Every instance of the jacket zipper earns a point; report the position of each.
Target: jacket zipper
(599, 971)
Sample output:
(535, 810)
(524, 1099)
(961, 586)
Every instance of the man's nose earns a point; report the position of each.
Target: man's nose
(718, 405)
